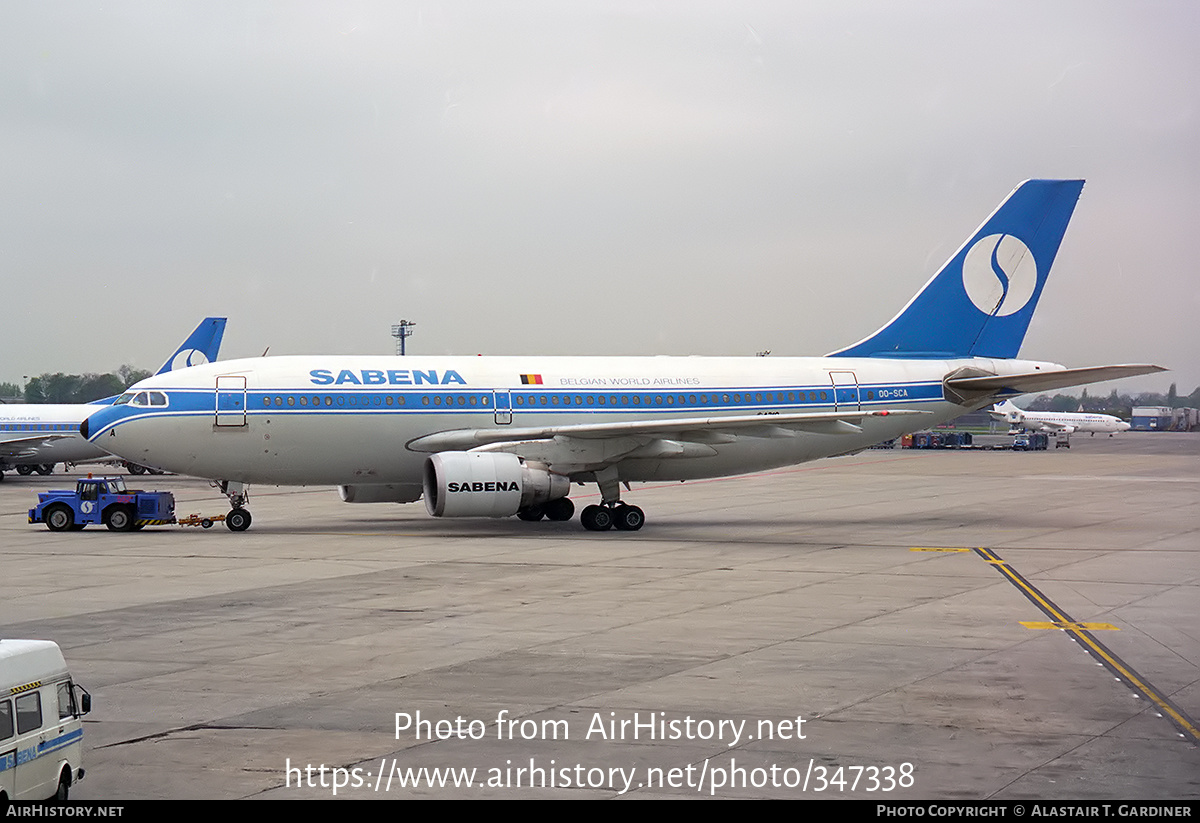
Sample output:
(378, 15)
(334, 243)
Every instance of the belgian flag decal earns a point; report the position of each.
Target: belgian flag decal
(531, 380)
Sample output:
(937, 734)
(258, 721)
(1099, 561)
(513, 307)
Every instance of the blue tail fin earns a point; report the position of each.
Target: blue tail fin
(202, 346)
(979, 304)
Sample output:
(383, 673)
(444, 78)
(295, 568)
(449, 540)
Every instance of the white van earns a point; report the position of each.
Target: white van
(41, 735)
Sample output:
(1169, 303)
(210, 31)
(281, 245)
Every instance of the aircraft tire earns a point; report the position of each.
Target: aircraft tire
(596, 518)
(561, 509)
(238, 520)
(45, 468)
(629, 518)
(24, 469)
(531, 514)
(59, 518)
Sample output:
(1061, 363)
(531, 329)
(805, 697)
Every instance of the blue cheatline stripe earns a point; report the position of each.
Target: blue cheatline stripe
(526, 400)
(28, 755)
(39, 427)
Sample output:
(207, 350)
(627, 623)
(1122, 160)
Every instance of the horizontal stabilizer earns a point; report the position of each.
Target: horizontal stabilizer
(1012, 384)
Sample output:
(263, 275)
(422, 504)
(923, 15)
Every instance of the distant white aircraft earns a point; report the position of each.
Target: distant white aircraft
(498, 436)
(1057, 422)
(35, 436)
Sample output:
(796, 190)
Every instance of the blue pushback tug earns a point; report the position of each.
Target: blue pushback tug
(104, 500)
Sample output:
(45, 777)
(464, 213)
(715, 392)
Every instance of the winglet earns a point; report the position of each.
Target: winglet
(980, 302)
(202, 346)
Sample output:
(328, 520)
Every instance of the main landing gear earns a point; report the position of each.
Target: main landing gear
(560, 509)
(238, 519)
(611, 513)
(621, 516)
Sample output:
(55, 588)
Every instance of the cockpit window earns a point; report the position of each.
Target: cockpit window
(123, 399)
(157, 398)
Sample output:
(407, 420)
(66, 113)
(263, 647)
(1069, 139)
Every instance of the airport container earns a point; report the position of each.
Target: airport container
(1151, 418)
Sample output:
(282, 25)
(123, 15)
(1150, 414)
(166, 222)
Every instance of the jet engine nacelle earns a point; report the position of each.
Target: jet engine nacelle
(487, 484)
(380, 493)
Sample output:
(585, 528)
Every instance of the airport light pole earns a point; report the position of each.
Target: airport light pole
(402, 331)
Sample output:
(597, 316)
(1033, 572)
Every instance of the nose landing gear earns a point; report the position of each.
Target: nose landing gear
(238, 519)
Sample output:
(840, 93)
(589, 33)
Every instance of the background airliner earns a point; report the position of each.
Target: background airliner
(42, 434)
(1065, 422)
(497, 436)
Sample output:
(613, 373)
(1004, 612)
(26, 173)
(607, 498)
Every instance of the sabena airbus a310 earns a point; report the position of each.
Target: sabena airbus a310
(501, 436)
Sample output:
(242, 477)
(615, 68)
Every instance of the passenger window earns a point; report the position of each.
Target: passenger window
(66, 701)
(6, 720)
(29, 712)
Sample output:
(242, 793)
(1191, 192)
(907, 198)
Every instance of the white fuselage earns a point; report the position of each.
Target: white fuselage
(25, 427)
(344, 420)
(1068, 422)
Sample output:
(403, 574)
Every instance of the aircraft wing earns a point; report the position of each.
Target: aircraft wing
(1013, 384)
(588, 446)
(28, 446)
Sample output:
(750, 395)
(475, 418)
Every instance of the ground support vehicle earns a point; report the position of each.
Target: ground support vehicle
(1034, 441)
(103, 500)
(41, 733)
(201, 520)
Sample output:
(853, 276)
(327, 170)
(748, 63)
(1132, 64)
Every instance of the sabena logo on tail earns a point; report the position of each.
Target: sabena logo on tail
(185, 358)
(999, 275)
(980, 302)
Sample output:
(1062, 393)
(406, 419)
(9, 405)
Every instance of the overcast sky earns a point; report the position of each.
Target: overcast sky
(582, 177)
